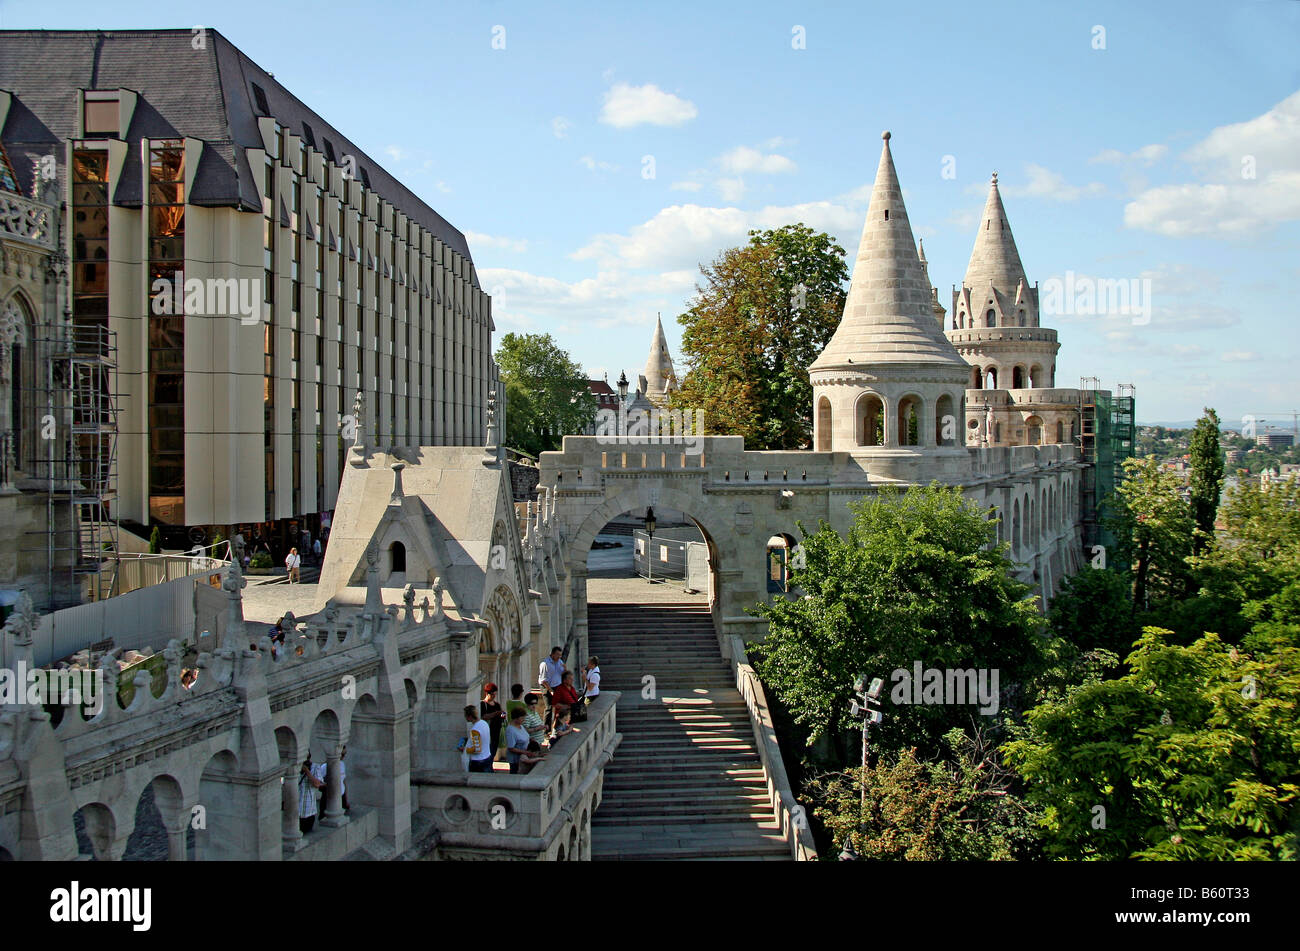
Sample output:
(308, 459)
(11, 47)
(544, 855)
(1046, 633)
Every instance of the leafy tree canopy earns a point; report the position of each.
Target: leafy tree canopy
(547, 394)
(917, 579)
(763, 314)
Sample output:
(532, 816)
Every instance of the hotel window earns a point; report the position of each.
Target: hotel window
(167, 333)
(99, 116)
(89, 242)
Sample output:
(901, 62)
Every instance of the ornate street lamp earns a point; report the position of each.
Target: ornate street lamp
(649, 555)
(622, 402)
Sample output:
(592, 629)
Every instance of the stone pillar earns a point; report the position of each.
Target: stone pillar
(290, 832)
(332, 802)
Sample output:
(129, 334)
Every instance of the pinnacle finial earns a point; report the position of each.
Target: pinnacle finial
(885, 135)
(995, 178)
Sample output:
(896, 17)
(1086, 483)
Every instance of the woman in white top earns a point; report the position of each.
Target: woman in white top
(593, 677)
(292, 561)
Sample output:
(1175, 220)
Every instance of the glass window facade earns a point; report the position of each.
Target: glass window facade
(166, 324)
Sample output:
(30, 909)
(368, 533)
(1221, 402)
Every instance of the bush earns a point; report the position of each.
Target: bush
(261, 560)
(155, 541)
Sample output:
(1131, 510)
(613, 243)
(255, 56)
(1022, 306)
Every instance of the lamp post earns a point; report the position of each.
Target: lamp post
(622, 402)
(869, 695)
(649, 555)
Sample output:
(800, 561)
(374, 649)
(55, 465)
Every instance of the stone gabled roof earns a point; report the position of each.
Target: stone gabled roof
(215, 94)
(888, 315)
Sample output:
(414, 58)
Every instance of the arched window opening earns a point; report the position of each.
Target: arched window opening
(909, 421)
(1018, 378)
(871, 421)
(1035, 376)
(779, 551)
(990, 319)
(991, 378)
(945, 422)
(1022, 317)
(823, 425)
(976, 379)
(1035, 426)
(1060, 431)
(396, 558)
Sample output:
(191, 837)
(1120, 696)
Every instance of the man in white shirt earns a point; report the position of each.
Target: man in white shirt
(478, 743)
(311, 778)
(550, 674)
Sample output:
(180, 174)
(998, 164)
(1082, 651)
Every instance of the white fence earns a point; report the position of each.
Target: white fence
(148, 617)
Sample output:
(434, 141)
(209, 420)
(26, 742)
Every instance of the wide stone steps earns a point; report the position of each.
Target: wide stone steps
(687, 781)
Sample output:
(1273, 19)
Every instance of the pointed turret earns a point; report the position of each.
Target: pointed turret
(889, 383)
(888, 316)
(935, 306)
(994, 259)
(659, 375)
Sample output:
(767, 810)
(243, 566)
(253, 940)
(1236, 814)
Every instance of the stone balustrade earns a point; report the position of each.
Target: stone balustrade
(544, 814)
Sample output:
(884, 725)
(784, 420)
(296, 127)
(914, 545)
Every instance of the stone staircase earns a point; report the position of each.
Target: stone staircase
(687, 781)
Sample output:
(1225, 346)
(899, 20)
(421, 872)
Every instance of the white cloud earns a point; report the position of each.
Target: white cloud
(683, 236)
(560, 127)
(612, 298)
(685, 186)
(444, 187)
(1251, 181)
(481, 240)
(1147, 155)
(626, 106)
(1223, 210)
(744, 159)
(396, 153)
(1044, 183)
(595, 165)
(731, 189)
(1239, 356)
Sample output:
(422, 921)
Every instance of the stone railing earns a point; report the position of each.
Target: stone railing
(789, 813)
(528, 816)
(23, 219)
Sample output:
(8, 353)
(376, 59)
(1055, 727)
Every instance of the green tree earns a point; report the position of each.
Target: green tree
(547, 394)
(155, 541)
(962, 807)
(917, 579)
(1192, 754)
(1207, 478)
(1153, 527)
(764, 313)
(1094, 610)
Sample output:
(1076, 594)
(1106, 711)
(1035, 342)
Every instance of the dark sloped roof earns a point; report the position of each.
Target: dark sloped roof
(204, 94)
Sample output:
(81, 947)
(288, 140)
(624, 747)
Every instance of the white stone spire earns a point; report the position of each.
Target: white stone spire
(888, 316)
(994, 260)
(659, 374)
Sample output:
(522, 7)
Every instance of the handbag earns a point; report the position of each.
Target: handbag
(578, 712)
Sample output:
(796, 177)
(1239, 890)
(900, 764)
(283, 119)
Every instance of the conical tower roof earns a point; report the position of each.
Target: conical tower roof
(888, 316)
(995, 258)
(659, 373)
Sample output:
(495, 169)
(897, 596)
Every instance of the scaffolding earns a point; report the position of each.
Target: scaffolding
(76, 406)
(1107, 431)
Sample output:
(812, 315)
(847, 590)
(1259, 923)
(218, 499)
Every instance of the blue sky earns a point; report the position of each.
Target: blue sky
(1170, 155)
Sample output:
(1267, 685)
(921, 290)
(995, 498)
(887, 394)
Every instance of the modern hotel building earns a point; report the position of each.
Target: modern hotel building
(256, 267)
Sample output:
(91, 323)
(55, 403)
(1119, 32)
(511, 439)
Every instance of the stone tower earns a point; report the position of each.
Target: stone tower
(939, 312)
(889, 383)
(995, 327)
(659, 377)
